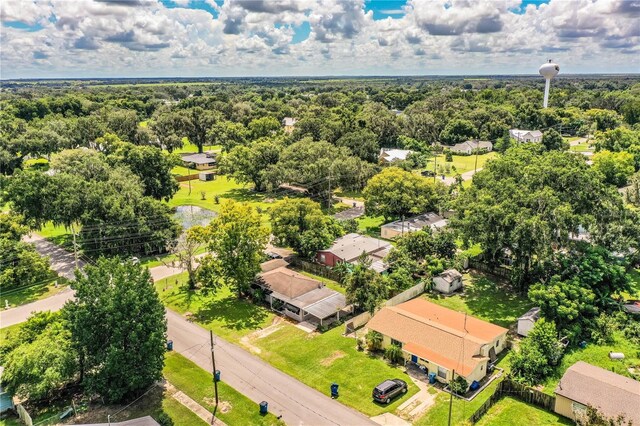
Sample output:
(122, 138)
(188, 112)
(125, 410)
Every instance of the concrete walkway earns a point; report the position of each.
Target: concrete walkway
(192, 405)
(297, 403)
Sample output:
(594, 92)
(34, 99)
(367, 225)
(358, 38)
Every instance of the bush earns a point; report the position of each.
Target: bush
(393, 353)
(360, 344)
(448, 156)
(602, 329)
(374, 340)
(164, 420)
(349, 226)
(459, 385)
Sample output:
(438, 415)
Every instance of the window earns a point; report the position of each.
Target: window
(578, 408)
(323, 258)
(442, 372)
(396, 342)
(497, 343)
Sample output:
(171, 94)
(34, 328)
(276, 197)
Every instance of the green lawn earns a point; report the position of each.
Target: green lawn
(198, 384)
(461, 410)
(512, 412)
(370, 225)
(598, 356)
(58, 235)
(487, 298)
(462, 163)
(33, 293)
(582, 147)
(222, 312)
(334, 285)
(321, 359)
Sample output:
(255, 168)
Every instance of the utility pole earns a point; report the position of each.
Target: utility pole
(75, 245)
(453, 374)
(435, 167)
(475, 169)
(329, 197)
(189, 168)
(213, 360)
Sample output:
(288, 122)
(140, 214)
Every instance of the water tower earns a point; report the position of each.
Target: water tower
(548, 71)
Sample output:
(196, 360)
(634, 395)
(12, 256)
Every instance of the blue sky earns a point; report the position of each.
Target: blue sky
(84, 38)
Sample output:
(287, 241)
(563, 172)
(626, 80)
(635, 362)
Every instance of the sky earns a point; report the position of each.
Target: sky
(228, 38)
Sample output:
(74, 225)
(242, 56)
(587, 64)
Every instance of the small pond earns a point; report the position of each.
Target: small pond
(190, 216)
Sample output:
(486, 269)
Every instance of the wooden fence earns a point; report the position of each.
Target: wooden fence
(507, 387)
(500, 271)
(188, 177)
(314, 268)
(24, 415)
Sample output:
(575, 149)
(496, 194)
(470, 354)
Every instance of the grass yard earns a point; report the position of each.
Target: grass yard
(198, 384)
(57, 234)
(17, 297)
(462, 163)
(370, 225)
(487, 298)
(599, 356)
(582, 147)
(461, 409)
(512, 412)
(221, 312)
(333, 285)
(321, 359)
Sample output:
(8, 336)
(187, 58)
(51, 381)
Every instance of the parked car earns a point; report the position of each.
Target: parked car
(428, 173)
(273, 255)
(388, 390)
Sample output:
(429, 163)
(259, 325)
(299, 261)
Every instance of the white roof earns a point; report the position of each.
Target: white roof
(419, 222)
(518, 133)
(351, 246)
(392, 154)
(463, 146)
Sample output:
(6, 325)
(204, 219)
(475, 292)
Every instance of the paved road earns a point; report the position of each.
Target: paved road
(61, 260)
(449, 180)
(296, 402)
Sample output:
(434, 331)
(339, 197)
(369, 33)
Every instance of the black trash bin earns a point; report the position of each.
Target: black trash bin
(334, 390)
(169, 345)
(216, 376)
(264, 407)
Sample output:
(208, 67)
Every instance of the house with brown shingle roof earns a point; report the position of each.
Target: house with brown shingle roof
(298, 296)
(440, 339)
(611, 394)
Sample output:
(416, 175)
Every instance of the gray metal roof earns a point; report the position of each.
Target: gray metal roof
(532, 314)
(327, 306)
(419, 222)
(204, 158)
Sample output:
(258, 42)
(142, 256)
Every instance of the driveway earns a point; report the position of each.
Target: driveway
(297, 403)
(61, 260)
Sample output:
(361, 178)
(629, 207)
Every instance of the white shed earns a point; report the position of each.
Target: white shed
(526, 321)
(448, 281)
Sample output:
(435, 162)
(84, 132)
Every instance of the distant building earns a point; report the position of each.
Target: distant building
(350, 247)
(526, 135)
(412, 224)
(289, 124)
(527, 321)
(391, 155)
(613, 395)
(470, 147)
(448, 281)
(440, 339)
(201, 161)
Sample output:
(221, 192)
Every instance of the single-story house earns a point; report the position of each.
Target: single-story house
(632, 307)
(448, 281)
(202, 161)
(412, 224)
(611, 394)
(526, 321)
(471, 147)
(391, 155)
(289, 124)
(350, 247)
(526, 135)
(298, 296)
(440, 339)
